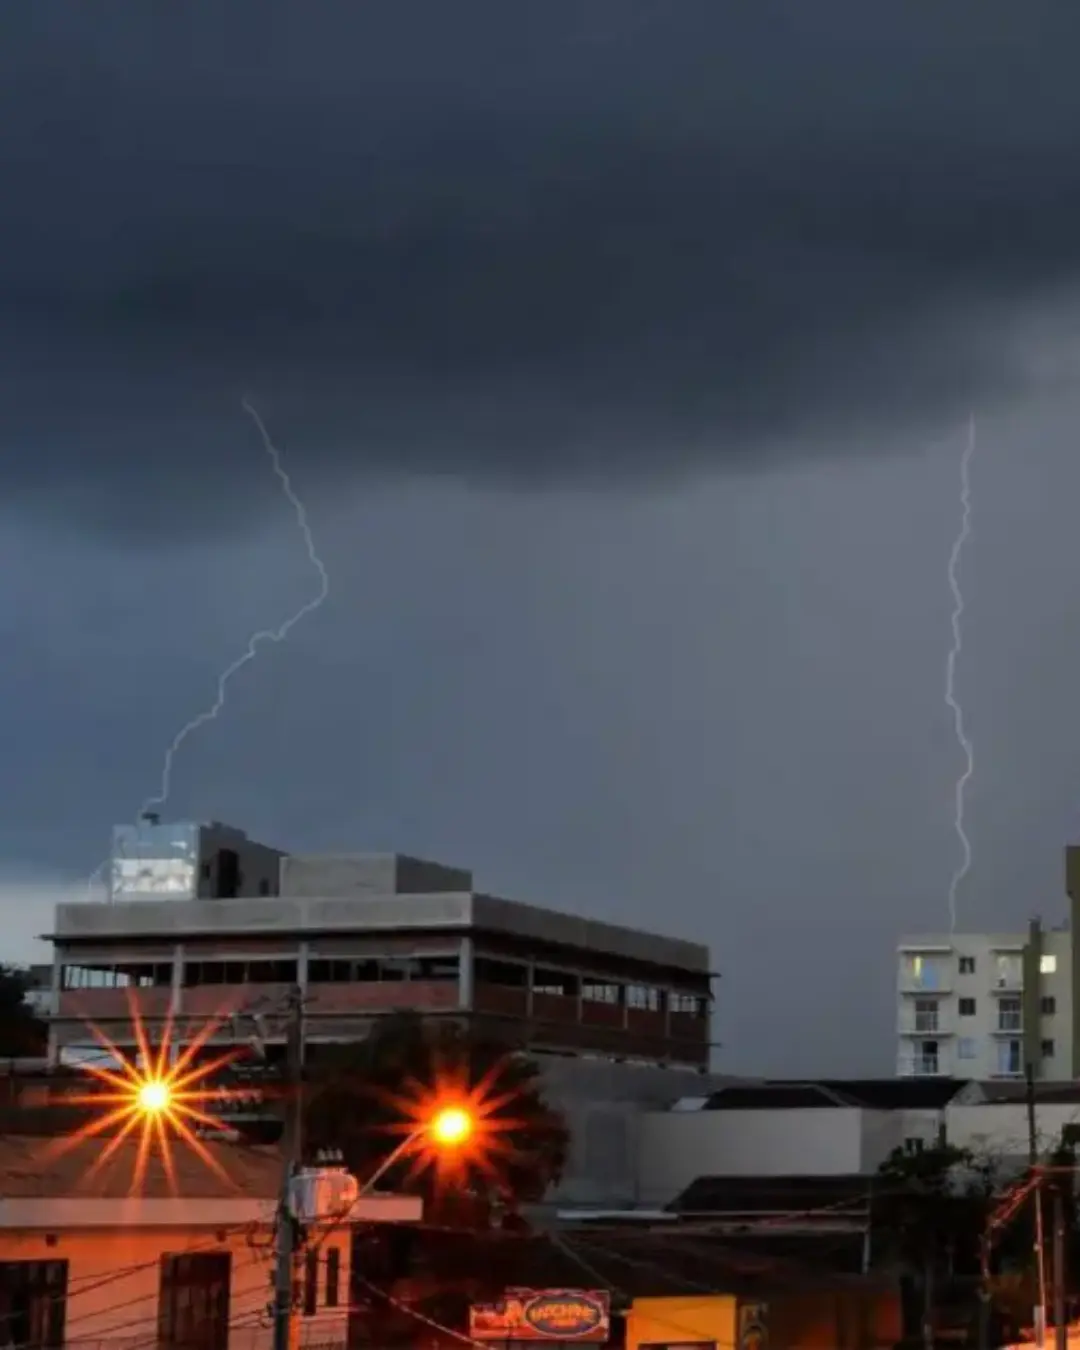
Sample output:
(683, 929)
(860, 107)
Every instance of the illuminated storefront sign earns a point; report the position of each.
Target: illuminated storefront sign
(544, 1315)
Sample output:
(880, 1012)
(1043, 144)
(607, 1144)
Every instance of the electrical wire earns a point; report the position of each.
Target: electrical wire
(95, 1282)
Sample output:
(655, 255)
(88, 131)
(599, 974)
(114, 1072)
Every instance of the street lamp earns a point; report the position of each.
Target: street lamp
(449, 1127)
(446, 1129)
(153, 1096)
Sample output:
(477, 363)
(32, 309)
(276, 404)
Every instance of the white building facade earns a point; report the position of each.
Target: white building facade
(836, 1130)
(986, 1005)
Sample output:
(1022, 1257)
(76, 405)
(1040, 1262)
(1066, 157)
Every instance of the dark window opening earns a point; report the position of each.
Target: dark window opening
(380, 969)
(264, 886)
(333, 1277)
(1048, 1005)
(438, 968)
(967, 1007)
(239, 972)
(967, 965)
(227, 886)
(311, 1281)
(1047, 1049)
(193, 1301)
(33, 1303)
(555, 982)
(486, 970)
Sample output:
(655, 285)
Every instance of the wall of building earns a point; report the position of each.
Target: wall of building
(675, 1147)
(604, 1105)
(114, 1277)
(1000, 1129)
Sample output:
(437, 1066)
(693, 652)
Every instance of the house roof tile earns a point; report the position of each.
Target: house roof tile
(60, 1168)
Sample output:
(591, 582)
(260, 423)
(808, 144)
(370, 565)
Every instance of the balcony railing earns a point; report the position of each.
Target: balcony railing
(911, 1023)
(926, 982)
(920, 1066)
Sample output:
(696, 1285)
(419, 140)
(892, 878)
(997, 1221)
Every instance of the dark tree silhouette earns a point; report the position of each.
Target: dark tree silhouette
(22, 1034)
(930, 1210)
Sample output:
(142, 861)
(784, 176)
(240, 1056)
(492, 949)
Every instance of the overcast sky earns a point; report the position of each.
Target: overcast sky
(622, 354)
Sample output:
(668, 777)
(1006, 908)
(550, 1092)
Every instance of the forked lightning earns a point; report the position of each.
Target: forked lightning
(264, 635)
(955, 650)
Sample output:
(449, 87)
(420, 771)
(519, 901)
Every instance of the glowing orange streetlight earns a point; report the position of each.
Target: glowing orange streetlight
(153, 1097)
(449, 1127)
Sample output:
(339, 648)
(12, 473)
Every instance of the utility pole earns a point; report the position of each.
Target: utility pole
(1061, 1330)
(1040, 1248)
(285, 1254)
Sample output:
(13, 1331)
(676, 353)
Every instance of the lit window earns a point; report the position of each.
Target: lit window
(1047, 964)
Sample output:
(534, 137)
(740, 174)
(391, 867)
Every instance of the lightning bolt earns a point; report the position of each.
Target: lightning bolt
(963, 740)
(275, 635)
(257, 639)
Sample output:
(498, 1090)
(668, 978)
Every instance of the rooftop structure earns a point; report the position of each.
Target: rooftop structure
(204, 924)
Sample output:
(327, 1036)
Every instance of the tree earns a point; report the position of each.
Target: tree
(929, 1211)
(22, 1034)
(366, 1099)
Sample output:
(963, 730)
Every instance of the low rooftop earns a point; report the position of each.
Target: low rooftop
(355, 911)
(875, 1094)
(51, 1168)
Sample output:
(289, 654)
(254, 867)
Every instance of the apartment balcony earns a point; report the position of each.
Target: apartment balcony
(921, 1066)
(911, 1023)
(1008, 983)
(1008, 1026)
(925, 983)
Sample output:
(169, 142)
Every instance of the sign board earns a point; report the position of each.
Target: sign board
(579, 1315)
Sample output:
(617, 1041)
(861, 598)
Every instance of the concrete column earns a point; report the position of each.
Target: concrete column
(1072, 889)
(302, 965)
(465, 975)
(57, 983)
(1031, 999)
(177, 1001)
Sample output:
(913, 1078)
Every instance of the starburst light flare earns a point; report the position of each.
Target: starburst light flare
(160, 1097)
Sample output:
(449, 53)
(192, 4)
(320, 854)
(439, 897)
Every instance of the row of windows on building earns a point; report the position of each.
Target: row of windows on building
(1010, 1012)
(1007, 969)
(1007, 964)
(371, 970)
(1008, 1055)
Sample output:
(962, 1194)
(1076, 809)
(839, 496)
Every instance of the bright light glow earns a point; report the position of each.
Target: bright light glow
(154, 1096)
(157, 1098)
(451, 1126)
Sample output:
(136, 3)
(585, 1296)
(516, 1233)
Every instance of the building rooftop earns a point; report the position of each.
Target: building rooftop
(876, 1094)
(351, 913)
(44, 1168)
(795, 1198)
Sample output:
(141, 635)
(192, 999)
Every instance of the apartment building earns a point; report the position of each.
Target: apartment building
(987, 1005)
(205, 925)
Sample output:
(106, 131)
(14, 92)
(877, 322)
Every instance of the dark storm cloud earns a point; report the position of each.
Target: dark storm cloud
(571, 240)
